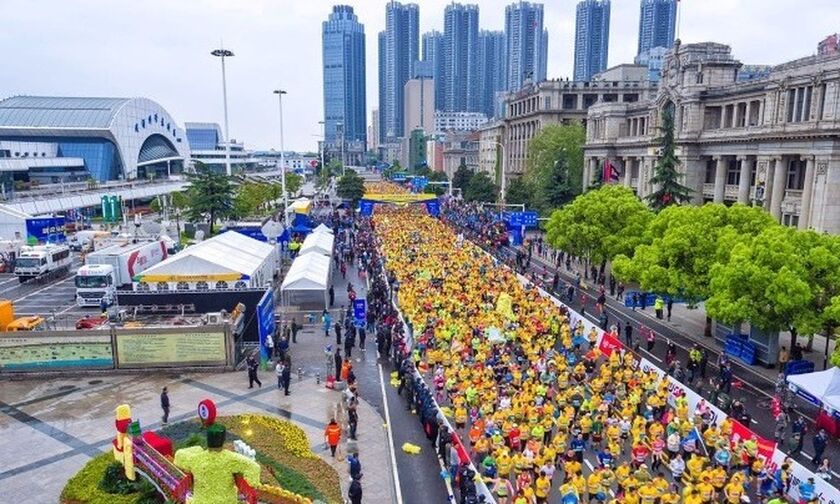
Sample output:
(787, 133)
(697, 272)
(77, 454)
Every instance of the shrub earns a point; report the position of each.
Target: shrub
(83, 487)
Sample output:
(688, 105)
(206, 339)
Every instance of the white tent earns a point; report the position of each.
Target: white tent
(820, 386)
(309, 274)
(322, 228)
(320, 243)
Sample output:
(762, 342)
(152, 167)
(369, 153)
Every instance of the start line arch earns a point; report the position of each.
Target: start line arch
(432, 203)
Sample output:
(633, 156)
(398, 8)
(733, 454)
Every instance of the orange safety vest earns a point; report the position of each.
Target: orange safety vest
(333, 434)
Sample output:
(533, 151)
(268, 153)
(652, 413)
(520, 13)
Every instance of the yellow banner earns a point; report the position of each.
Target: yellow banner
(137, 350)
(400, 198)
(183, 277)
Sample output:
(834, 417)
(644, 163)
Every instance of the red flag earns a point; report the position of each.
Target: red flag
(610, 173)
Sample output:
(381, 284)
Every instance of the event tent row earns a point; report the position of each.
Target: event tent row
(308, 278)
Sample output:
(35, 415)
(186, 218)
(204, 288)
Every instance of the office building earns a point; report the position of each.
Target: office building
(458, 121)
(400, 41)
(380, 111)
(419, 105)
(492, 61)
(526, 44)
(433, 56)
(652, 59)
(208, 146)
(657, 24)
(55, 139)
(592, 38)
(373, 130)
(736, 141)
(343, 39)
(460, 55)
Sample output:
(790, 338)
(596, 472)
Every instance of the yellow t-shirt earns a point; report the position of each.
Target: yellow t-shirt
(543, 486)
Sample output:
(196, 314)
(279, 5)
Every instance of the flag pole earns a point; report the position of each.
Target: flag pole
(679, 18)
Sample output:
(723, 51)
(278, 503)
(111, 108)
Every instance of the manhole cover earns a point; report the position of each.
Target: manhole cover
(94, 382)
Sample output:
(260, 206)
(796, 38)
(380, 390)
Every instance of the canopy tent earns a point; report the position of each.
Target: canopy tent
(300, 205)
(322, 228)
(230, 256)
(309, 275)
(821, 387)
(321, 243)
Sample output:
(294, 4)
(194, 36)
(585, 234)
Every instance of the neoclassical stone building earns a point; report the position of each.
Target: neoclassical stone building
(773, 142)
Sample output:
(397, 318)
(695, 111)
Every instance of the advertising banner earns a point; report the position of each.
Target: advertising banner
(609, 344)
(799, 473)
(766, 447)
(266, 324)
(433, 207)
(366, 207)
(400, 198)
(360, 311)
(28, 353)
(45, 230)
(145, 349)
(677, 389)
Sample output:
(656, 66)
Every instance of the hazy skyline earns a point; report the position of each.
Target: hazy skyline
(161, 50)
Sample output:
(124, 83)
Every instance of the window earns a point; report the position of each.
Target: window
(240, 285)
(143, 123)
(821, 112)
(733, 172)
(795, 175)
(711, 168)
(143, 287)
(806, 111)
(698, 79)
(162, 286)
(221, 285)
(182, 286)
(791, 102)
(202, 286)
(136, 128)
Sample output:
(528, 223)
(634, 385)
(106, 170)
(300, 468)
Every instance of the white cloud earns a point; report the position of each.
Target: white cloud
(160, 49)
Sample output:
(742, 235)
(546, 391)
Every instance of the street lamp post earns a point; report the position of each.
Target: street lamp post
(280, 93)
(225, 53)
(323, 142)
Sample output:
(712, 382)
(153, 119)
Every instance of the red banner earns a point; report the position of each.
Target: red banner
(766, 447)
(609, 344)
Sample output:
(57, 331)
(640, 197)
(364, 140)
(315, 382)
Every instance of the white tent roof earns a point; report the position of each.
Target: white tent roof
(322, 243)
(226, 253)
(310, 272)
(322, 228)
(822, 385)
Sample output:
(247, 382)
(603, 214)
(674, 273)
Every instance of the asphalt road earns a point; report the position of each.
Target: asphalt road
(56, 296)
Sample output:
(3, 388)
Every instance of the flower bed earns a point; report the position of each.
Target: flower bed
(291, 473)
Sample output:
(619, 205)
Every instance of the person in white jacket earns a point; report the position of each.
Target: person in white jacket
(677, 466)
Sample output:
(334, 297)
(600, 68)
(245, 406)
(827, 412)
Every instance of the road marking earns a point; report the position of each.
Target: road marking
(42, 290)
(589, 465)
(657, 359)
(390, 437)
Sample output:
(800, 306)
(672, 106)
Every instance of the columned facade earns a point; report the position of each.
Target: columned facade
(772, 143)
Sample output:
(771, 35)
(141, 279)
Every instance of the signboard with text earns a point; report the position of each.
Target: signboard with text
(145, 349)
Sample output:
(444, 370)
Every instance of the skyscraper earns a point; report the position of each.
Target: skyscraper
(592, 38)
(460, 54)
(381, 49)
(400, 40)
(492, 62)
(344, 75)
(433, 55)
(526, 44)
(657, 24)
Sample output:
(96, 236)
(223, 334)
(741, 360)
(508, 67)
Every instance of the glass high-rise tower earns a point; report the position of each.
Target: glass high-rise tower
(433, 56)
(460, 55)
(592, 38)
(657, 24)
(343, 40)
(399, 49)
(526, 44)
(493, 64)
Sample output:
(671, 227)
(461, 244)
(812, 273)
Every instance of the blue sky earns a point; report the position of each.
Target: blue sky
(160, 49)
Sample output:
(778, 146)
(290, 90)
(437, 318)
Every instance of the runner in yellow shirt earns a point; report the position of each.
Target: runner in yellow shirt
(543, 486)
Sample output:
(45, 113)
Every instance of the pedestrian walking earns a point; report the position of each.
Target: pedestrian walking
(784, 358)
(253, 365)
(352, 416)
(295, 328)
(164, 405)
(326, 318)
(332, 296)
(337, 330)
(338, 361)
(349, 343)
(628, 334)
(659, 306)
(355, 491)
(669, 305)
(650, 338)
(332, 435)
(287, 375)
(278, 370)
(820, 442)
(362, 337)
(355, 465)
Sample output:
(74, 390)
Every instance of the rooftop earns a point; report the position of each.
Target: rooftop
(59, 112)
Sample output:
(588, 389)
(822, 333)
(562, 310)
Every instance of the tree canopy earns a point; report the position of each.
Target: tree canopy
(210, 195)
(481, 188)
(437, 176)
(682, 243)
(554, 166)
(666, 179)
(461, 178)
(351, 187)
(601, 224)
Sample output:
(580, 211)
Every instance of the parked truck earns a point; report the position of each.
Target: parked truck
(42, 261)
(107, 270)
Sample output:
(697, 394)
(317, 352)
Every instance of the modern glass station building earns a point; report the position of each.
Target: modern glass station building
(60, 139)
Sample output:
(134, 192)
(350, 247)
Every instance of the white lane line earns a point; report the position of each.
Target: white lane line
(657, 359)
(589, 465)
(42, 289)
(396, 474)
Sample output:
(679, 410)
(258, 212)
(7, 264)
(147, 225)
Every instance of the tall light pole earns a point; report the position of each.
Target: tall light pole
(280, 93)
(323, 141)
(225, 53)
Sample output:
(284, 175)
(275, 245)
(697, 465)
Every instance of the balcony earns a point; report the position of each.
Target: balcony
(708, 190)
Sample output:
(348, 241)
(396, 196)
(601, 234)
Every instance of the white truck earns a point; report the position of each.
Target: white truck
(111, 268)
(41, 261)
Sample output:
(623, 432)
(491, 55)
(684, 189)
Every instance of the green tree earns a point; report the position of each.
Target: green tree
(461, 178)
(210, 195)
(764, 281)
(251, 197)
(520, 192)
(293, 183)
(666, 178)
(599, 225)
(481, 188)
(351, 187)
(682, 243)
(437, 176)
(554, 165)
